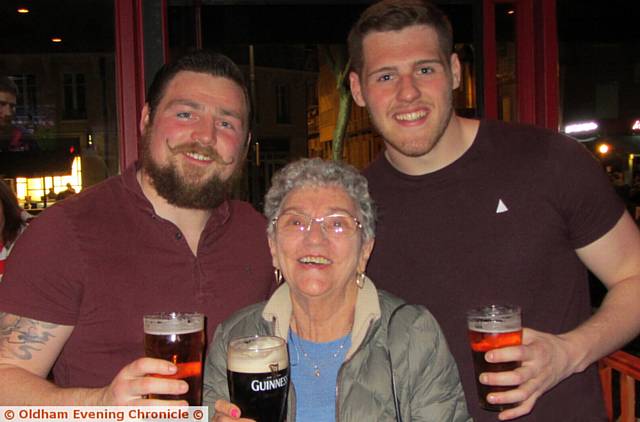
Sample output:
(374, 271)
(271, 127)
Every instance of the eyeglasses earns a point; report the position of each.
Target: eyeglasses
(336, 225)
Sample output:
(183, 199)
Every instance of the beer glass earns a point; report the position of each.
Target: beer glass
(258, 377)
(491, 327)
(178, 338)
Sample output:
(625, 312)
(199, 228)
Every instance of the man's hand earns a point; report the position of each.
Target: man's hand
(546, 359)
(135, 381)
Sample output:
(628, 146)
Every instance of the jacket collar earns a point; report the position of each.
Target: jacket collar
(278, 310)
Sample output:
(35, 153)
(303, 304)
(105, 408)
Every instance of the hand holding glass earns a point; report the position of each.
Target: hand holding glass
(258, 377)
(492, 327)
(178, 338)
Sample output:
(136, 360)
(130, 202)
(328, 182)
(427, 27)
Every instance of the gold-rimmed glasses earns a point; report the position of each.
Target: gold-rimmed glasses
(336, 225)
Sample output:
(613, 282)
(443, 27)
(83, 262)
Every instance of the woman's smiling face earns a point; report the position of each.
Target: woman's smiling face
(313, 262)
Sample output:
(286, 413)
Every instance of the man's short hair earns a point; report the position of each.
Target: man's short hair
(201, 61)
(395, 15)
(7, 85)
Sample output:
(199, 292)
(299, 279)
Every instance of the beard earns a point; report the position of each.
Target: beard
(185, 191)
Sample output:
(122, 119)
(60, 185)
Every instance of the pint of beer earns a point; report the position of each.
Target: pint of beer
(492, 327)
(258, 377)
(178, 338)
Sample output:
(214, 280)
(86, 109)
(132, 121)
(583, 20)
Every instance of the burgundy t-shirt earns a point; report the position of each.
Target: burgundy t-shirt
(102, 259)
(499, 225)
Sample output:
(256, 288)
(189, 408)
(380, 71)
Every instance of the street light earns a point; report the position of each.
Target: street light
(603, 149)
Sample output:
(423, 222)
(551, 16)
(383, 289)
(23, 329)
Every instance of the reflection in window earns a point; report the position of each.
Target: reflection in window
(26, 103)
(75, 104)
(32, 191)
(66, 109)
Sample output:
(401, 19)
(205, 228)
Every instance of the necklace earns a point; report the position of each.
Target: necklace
(316, 363)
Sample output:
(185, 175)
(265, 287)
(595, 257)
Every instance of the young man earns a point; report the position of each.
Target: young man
(161, 237)
(481, 212)
(8, 96)
(12, 138)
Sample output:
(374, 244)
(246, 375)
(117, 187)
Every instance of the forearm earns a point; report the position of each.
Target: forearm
(615, 323)
(20, 387)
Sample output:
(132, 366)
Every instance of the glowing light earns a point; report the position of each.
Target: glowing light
(581, 127)
(56, 39)
(23, 10)
(34, 188)
(636, 125)
(603, 148)
(511, 12)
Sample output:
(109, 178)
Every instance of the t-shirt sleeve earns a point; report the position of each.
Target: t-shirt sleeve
(586, 198)
(42, 277)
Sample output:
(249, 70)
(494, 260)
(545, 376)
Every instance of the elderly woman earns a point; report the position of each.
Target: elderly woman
(13, 221)
(337, 325)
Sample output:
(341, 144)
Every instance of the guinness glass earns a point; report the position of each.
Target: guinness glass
(258, 377)
(178, 338)
(493, 327)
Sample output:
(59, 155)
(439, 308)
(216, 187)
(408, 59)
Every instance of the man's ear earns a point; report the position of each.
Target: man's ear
(356, 89)
(144, 118)
(456, 70)
(247, 144)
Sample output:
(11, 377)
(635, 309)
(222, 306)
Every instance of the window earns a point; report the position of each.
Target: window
(75, 105)
(26, 105)
(283, 114)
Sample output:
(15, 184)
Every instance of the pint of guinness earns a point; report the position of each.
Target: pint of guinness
(258, 377)
(493, 327)
(178, 338)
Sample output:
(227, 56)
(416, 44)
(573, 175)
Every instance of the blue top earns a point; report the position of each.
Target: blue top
(314, 372)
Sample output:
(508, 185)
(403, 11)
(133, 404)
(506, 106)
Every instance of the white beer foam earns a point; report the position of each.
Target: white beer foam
(494, 330)
(254, 355)
(490, 325)
(173, 324)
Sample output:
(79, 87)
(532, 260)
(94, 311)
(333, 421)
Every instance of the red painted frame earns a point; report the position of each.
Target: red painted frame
(130, 66)
(537, 61)
(129, 76)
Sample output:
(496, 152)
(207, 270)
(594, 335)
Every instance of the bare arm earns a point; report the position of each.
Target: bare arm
(28, 349)
(615, 260)
(548, 359)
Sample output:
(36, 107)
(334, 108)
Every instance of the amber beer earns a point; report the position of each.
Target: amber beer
(178, 338)
(258, 377)
(493, 327)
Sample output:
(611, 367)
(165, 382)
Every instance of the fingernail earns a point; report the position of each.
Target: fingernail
(491, 398)
(488, 356)
(483, 379)
(173, 368)
(235, 413)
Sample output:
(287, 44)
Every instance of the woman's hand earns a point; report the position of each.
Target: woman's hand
(226, 411)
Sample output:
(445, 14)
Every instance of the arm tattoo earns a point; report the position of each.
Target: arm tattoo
(20, 336)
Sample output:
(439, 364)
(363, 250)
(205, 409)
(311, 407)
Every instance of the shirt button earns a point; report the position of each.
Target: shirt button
(178, 236)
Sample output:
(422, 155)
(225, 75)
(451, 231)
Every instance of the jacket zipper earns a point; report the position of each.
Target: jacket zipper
(339, 378)
(292, 391)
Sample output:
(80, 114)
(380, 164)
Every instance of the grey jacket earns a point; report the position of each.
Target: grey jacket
(427, 382)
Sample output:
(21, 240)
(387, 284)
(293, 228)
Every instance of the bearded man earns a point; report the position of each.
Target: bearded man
(163, 236)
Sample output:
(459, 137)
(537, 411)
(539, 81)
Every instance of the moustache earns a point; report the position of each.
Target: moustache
(197, 148)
